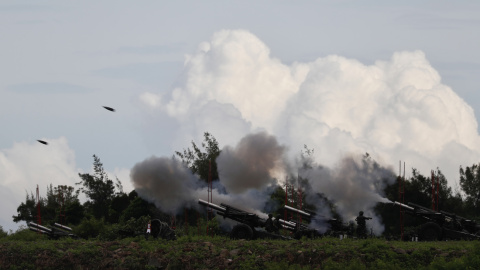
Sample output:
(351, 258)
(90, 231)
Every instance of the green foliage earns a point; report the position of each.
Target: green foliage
(138, 207)
(27, 210)
(89, 228)
(199, 161)
(24, 234)
(119, 203)
(470, 184)
(98, 188)
(132, 227)
(61, 205)
(2, 232)
(203, 252)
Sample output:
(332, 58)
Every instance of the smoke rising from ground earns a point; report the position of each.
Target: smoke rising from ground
(355, 184)
(247, 180)
(252, 164)
(165, 182)
(246, 177)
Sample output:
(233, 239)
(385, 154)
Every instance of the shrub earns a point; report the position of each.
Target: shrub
(89, 228)
(2, 232)
(24, 234)
(130, 228)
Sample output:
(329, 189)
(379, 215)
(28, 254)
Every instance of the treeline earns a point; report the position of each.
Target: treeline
(107, 208)
(110, 211)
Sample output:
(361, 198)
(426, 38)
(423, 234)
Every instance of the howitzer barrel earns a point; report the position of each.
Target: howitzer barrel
(60, 226)
(303, 213)
(288, 224)
(37, 230)
(404, 206)
(212, 205)
(39, 227)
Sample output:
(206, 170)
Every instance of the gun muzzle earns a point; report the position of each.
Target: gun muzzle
(404, 206)
(212, 205)
(39, 227)
(303, 213)
(63, 227)
(37, 230)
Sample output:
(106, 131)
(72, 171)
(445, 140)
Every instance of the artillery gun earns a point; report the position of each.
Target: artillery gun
(335, 226)
(162, 230)
(54, 232)
(248, 223)
(441, 225)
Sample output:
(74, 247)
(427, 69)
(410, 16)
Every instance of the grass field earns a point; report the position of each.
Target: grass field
(32, 251)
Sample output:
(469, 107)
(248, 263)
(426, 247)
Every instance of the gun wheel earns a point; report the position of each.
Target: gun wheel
(430, 232)
(241, 231)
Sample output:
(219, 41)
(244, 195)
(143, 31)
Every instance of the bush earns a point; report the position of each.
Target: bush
(90, 228)
(24, 234)
(130, 228)
(2, 232)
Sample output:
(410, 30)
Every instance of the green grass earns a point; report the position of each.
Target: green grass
(194, 252)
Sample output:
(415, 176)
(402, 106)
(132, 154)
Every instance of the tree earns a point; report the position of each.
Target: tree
(27, 211)
(98, 188)
(199, 161)
(138, 207)
(119, 203)
(470, 184)
(61, 205)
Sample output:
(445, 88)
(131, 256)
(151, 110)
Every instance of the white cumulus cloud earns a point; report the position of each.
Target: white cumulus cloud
(28, 164)
(394, 109)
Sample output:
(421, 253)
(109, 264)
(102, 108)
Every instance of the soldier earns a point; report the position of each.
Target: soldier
(276, 224)
(361, 225)
(269, 224)
(149, 229)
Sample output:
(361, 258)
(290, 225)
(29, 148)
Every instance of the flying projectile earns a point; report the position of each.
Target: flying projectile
(44, 142)
(108, 108)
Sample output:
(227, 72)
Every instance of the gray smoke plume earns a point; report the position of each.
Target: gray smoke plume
(166, 182)
(252, 164)
(356, 184)
(246, 177)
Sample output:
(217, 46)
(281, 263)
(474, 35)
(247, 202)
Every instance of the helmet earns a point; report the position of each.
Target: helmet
(270, 215)
(360, 213)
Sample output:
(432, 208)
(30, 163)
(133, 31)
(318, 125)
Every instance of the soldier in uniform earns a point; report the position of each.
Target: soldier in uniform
(269, 224)
(361, 225)
(149, 230)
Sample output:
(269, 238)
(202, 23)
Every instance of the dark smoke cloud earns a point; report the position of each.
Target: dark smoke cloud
(356, 184)
(166, 182)
(249, 174)
(246, 177)
(251, 164)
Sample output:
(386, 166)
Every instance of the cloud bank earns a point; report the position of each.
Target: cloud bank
(28, 164)
(25, 165)
(395, 109)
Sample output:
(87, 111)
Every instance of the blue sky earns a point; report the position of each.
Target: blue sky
(62, 61)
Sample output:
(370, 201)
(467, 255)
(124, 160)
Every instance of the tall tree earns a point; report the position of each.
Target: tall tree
(470, 184)
(27, 211)
(198, 160)
(98, 188)
(61, 205)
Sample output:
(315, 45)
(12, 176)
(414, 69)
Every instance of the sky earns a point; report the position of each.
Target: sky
(395, 80)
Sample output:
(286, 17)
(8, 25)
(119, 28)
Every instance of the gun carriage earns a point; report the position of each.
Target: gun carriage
(441, 225)
(334, 227)
(54, 232)
(249, 225)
